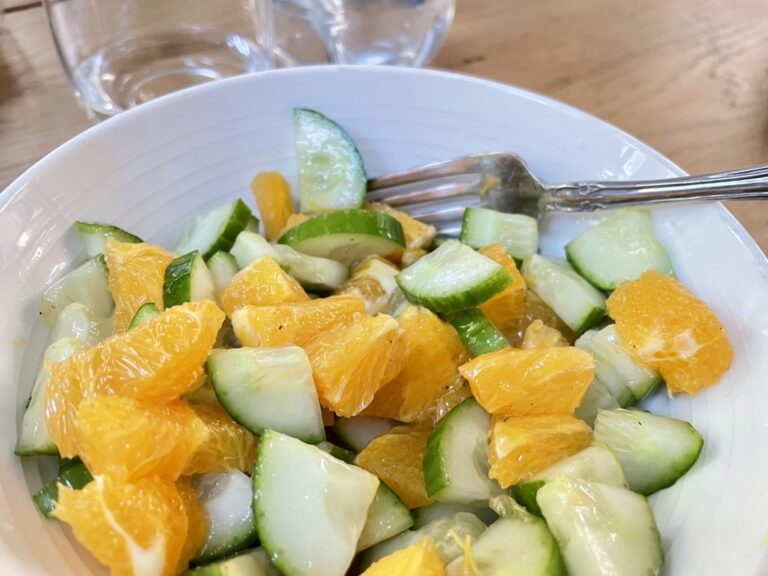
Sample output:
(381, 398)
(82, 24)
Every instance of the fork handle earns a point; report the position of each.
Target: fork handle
(744, 184)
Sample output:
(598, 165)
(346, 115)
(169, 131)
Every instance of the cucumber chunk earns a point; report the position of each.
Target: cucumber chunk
(312, 272)
(654, 451)
(293, 480)
(94, 236)
(579, 304)
(337, 451)
(615, 367)
(443, 532)
(226, 498)
(602, 530)
(616, 385)
(268, 388)
(387, 517)
(477, 333)
(187, 279)
(78, 321)
(597, 397)
(331, 171)
(347, 235)
(595, 464)
(223, 267)
(619, 248)
(373, 281)
(86, 284)
(437, 510)
(453, 277)
(76, 328)
(215, 230)
(146, 312)
(357, 432)
(250, 563)
(456, 460)
(519, 234)
(72, 474)
(517, 544)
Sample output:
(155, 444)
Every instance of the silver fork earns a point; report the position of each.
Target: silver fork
(438, 193)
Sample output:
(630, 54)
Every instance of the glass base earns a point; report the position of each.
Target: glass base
(127, 73)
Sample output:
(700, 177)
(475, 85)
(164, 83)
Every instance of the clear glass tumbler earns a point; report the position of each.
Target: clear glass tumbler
(120, 53)
(397, 32)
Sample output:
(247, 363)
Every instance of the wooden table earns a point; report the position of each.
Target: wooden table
(690, 77)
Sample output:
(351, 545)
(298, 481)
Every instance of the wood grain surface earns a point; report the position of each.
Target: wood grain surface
(689, 77)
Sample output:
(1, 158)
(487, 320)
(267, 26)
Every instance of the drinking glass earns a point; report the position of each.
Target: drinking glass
(400, 32)
(120, 53)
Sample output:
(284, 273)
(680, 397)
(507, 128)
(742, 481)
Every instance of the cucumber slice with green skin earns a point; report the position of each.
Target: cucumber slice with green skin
(250, 563)
(253, 224)
(268, 388)
(72, 474)
(614, 365)
(594, 464)
(519, 234)
(187, 279)
(337, 451)
(476, 332)
(437, 510)
(654, 451)
(144, 314)
(223, 267)
(387, 517)
(456, 460)
(313, 273)
(347, 235)
(331, 171)
(517, 544)
(226, 498)
(33, 436)
(597, 397)
(86, 284)
(215, 230)
(79, 321)
(443, 532)
(357, 432)
(602, 530)
(95, 235)
(310, 508)
(454, 277)
(615, 385)
(619, 248)
(579, 304)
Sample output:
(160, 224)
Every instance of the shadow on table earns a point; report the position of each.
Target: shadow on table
(9, 78)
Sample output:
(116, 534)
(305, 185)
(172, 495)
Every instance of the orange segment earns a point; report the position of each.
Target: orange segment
(521, 446)
(260, 283)
(129, 439)
(227, 446)
(530, 382)
(136, 275)
(373, 280)
(273, 196)
(539, 335)
(666, 327)
(420, 559)
(133, 528)
(433, 353)
(411, 255)
(396, 458)
(509, 304)
(157, 361)
(535, 309)
(417, 234)
(352, 362)
(197, 521)
(293, 322)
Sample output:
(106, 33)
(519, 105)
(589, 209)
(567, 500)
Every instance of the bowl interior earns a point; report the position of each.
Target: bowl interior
(148, 170)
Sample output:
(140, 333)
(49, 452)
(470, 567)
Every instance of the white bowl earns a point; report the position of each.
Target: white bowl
(149, 169)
